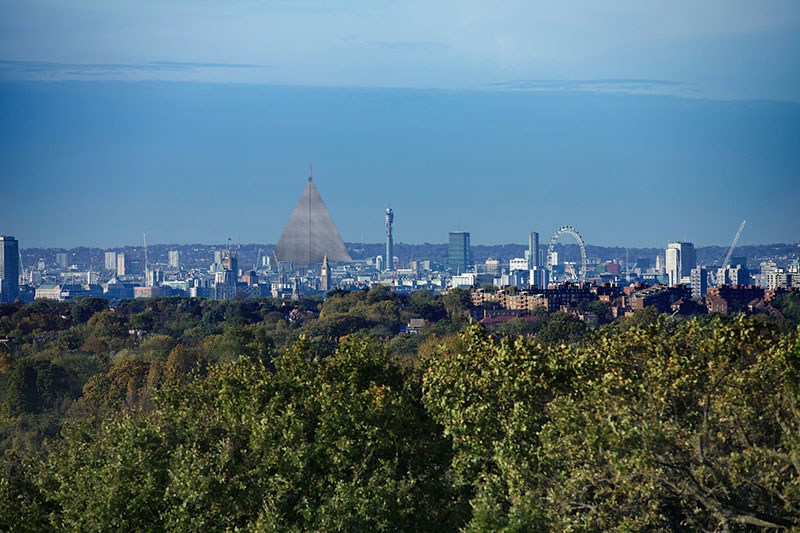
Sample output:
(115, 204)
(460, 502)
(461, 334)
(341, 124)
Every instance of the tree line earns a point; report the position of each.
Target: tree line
(262, 415)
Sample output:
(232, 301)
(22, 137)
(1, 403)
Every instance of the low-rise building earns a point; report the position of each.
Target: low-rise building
(726, 300)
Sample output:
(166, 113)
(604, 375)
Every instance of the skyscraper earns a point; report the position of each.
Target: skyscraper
(230, 266)
(174, 259)
(688, 259)
(61, 259)
(680, 260)
(111, 260)
(533, 250)
(9, 268)
(389, 240)
(459, 257)
(672, 265)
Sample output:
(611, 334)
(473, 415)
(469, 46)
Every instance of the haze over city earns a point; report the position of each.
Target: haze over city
(195, 123)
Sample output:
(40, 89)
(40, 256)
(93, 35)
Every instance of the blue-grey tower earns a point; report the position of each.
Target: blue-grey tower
(9, 268)
(389, 262)
(533, 250)
(459, 258)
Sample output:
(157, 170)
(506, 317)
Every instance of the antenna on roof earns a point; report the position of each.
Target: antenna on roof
(309, 172)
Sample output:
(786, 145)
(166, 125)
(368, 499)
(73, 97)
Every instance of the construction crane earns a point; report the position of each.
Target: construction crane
(733, 244)
(713, 275)
(258, 256)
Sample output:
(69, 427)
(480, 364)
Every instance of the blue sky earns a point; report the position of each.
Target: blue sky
(636, 122)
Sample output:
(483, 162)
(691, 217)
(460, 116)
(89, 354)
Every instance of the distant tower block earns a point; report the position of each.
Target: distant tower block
(310, 234)
(9, 268)
(459, 258)
(122, 265)
(111, 260)
(389, 259)
(533, 250)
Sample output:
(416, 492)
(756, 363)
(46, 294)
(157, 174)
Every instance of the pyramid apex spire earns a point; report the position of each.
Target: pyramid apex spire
(309, 172)
(310, 233)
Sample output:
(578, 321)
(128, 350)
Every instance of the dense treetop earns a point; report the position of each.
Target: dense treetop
(262, 415)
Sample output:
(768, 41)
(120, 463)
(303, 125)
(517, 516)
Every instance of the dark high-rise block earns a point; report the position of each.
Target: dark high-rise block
(459, 257)
(533, 250)
(9, 268)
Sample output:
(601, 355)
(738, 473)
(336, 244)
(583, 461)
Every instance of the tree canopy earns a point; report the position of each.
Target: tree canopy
(269, 415)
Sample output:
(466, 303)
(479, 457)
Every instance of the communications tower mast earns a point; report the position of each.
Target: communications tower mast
(389, 263)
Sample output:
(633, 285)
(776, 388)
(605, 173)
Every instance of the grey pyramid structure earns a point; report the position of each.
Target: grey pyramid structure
(310, 234)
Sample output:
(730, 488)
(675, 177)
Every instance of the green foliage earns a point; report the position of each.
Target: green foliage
(82, 309)
(789, 305)
(561, 328)
(490, 397)
(108, 324)
(457, 303)
(339, 444)
(23, 506)
(146, 320)
(641, 318)
(425, 305)
(122, 386)
(37, 386)
(654, 428)
(519, 326)
(598, 308)
(262, 415)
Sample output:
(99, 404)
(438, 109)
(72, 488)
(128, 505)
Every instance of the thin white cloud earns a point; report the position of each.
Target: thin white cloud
(421, 44)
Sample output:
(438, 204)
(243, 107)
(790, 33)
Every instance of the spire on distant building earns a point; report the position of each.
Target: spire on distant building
(309, 172)
(325, 276)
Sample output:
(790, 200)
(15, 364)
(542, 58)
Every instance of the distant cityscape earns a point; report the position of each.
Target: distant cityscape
(311, 259)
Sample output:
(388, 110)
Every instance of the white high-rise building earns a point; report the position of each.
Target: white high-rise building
(672, 265)
(680, 260)
(111, 260)
(121, 265)
(174, 259)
